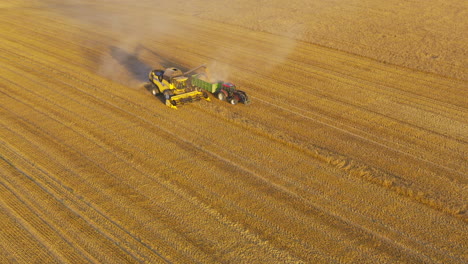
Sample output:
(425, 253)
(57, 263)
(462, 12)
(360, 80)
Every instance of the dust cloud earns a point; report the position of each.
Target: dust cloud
(133, 23)
(121, 60)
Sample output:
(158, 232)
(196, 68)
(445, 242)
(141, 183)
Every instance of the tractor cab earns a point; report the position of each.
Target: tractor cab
(229, 88)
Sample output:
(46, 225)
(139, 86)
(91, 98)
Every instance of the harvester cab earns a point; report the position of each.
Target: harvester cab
(180, 83)
(173, 84)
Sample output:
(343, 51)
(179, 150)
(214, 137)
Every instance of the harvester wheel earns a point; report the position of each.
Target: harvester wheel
(221, 96)
(154, 92)
(167, 94)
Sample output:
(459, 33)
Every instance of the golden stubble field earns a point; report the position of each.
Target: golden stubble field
(353, 150)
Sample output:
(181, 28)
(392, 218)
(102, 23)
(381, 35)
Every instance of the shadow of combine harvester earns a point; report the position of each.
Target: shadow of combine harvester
(137, 68)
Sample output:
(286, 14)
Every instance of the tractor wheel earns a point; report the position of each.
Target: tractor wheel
(234, 101)
(221, 96)
(205, 94)
(245, 99)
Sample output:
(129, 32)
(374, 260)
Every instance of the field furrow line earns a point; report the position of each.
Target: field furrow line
(75, 204)
(369, 83)
(53, 41)
(18, 244)
(385, 179)
(58, 245)
(76, 175)
(307, 104)
(351, 167)
(28, 222)
(308, 193)
(55, 25)
(35, 49)
(361, 134)
(97, 221)
(6, 249)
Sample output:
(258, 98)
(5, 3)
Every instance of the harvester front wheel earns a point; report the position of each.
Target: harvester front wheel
(167, 94)
(155, 92)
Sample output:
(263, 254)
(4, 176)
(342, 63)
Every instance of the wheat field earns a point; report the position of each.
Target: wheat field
(353, 149)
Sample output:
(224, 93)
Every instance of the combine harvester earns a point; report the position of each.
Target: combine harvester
(175, 86)
(180, 88)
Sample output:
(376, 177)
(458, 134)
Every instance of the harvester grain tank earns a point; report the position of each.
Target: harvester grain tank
(175, 86)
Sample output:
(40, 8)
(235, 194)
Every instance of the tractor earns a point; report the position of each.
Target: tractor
(225, 91)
